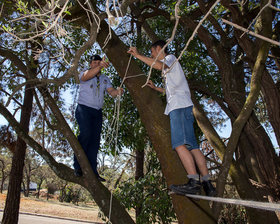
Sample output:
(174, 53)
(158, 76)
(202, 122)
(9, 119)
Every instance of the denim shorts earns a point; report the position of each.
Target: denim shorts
(182, 131)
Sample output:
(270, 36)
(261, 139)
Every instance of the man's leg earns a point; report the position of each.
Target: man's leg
(83, 118)
(182, 132)
(179, 119)
(96, 126)
(76, 165)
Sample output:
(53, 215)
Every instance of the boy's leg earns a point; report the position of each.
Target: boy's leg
(180, 122)
(200, 161)
(194, 185)
(187, 159)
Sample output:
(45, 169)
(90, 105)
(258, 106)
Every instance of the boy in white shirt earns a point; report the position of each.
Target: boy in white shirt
(179, 108)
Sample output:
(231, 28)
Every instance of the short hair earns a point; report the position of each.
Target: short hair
(95, 57)
(160, 43)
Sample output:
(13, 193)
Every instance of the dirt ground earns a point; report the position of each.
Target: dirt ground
(54, 208)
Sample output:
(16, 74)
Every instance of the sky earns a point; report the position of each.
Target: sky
(3, 120)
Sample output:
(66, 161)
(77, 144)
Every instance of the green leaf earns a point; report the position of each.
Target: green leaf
(45, 24)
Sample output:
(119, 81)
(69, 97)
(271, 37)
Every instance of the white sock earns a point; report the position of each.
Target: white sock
(206, 177)
(194, 176)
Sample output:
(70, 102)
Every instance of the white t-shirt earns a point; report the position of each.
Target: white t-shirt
(176, 86)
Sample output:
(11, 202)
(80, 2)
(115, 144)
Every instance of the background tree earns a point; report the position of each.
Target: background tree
(5, 167)
(39, 176)
(30, 165)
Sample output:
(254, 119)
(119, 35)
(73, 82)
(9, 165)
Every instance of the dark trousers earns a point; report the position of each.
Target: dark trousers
(90, 125)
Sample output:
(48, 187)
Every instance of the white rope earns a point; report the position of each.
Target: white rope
(252, 204)
(117, 105)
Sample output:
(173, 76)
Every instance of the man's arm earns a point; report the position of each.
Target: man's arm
(89, 74)
(152, 85)
(115, 92)
(149, 61)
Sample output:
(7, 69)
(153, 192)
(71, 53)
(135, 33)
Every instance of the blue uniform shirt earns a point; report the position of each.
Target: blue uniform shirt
(92, 91)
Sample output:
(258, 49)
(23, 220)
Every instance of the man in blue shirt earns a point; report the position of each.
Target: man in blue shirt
(93, 85)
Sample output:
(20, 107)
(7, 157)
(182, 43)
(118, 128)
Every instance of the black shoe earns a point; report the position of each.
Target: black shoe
(209, 188)
(78, 173)
(192, 187)
(101, 179)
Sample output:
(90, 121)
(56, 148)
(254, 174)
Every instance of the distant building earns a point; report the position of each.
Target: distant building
(32, 186)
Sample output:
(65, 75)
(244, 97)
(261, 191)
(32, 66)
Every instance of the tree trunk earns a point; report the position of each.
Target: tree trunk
(2, 184)
(139, 173)
(23, 186)
(26, 193)
(3, 175)
(27, 169)
(39, 189)
(11, 210)
(122, 173)
(272, 100)
(63, 193)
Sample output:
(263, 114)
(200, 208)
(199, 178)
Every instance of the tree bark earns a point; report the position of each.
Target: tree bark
(272, 100)
(11, 210)
(3, 175)
(139, 173)
(39, 188)
(27, 170)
